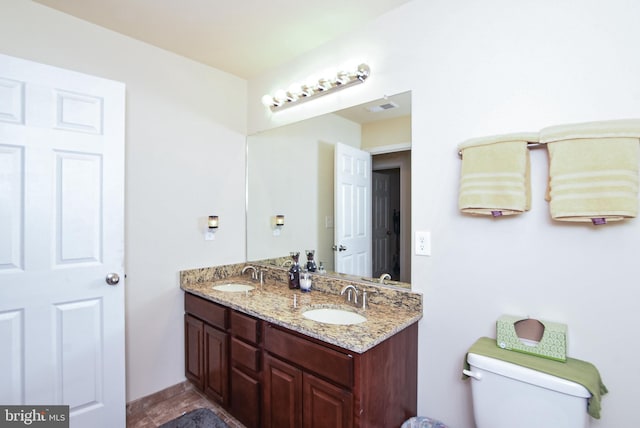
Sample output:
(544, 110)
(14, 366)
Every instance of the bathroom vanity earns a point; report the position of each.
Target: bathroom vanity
(255, 354)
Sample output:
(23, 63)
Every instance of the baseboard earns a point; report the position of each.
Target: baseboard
(143, 403)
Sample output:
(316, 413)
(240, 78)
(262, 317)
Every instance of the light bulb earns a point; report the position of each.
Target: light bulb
(330, 74)
(363, 72)
(307, 90)
(295, 88)
(324, 84)
(267, 100)
(342, 77)
(312, 82)
(280, 95)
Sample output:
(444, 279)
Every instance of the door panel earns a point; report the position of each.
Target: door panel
(326, 405)
(61, 233)
(11, 207)
(78, 351)
(216, 366)
(78, 208)
(194, 351)
(12, 356)
(352, 207)
(283, 394)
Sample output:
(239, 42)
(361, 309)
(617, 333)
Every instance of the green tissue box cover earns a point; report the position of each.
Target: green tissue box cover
(552, 344)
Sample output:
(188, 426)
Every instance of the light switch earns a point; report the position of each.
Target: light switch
(328, 222)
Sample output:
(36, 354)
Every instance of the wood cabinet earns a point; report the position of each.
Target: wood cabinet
(283, 394)
(207, 347)
(310, 383)
(295, 396)
(324, 404)
(216, 367)
(272, 377)
(194, 354)
(246, 369)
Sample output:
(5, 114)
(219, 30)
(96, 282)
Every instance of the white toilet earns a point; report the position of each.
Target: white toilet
(506, 395)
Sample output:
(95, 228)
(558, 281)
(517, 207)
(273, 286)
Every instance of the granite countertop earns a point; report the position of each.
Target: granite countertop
(274, 303)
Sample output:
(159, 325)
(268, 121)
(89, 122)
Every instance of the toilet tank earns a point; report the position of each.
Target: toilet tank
(506, 395)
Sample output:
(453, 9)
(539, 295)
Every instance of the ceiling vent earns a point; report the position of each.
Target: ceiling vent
(382, 107)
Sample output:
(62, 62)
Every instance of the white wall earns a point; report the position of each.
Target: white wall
(482, 68)
(185, 135)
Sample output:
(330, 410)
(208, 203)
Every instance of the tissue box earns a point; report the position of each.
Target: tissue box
(542, 338)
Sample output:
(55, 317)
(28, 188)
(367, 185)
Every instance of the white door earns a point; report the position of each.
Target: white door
(61, 234)
(352, 205)
(381, 254)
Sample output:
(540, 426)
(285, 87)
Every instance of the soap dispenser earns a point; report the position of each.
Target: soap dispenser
(294, 271)
(311, 264)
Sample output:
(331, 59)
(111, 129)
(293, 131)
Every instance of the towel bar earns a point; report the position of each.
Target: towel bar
(529, 146)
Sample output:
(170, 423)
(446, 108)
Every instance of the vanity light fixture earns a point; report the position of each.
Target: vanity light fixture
(317, 87)
(212, 227)
(278, 224)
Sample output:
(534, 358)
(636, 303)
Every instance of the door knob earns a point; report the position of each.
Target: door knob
(339, 248)
(112, 279)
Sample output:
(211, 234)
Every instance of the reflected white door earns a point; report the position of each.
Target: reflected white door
(61, 234)
(352, 205)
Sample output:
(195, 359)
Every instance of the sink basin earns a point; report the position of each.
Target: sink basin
(233, 288)
(334, 316)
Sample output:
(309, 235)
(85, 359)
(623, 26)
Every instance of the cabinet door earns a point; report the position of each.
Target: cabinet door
(283, 394)
(193, 350)
(216, 360)
(325, 405)
(245, 398)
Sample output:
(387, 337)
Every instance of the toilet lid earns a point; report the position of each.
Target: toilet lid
(524, 374)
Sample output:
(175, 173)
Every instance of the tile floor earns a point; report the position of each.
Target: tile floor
(151, 412)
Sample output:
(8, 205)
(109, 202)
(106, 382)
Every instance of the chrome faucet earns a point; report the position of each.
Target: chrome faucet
(383, 277)
(255, 273)
(352, 293)
(365, 299)
(287, 263)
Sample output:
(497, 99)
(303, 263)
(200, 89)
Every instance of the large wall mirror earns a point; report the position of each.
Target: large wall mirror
(291, 172)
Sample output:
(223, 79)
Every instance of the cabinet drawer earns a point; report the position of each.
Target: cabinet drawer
(245, 355)
(331, 364)
(210, 312)
(245, 327)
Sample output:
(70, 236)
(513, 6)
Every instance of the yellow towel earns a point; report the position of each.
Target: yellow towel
(495, 175)
(593, 170)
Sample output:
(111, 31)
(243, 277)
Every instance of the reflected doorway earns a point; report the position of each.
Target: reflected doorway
(386, 223)
(391, 215)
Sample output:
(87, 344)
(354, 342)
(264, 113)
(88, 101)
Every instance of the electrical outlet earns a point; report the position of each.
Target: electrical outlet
(423, 243)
